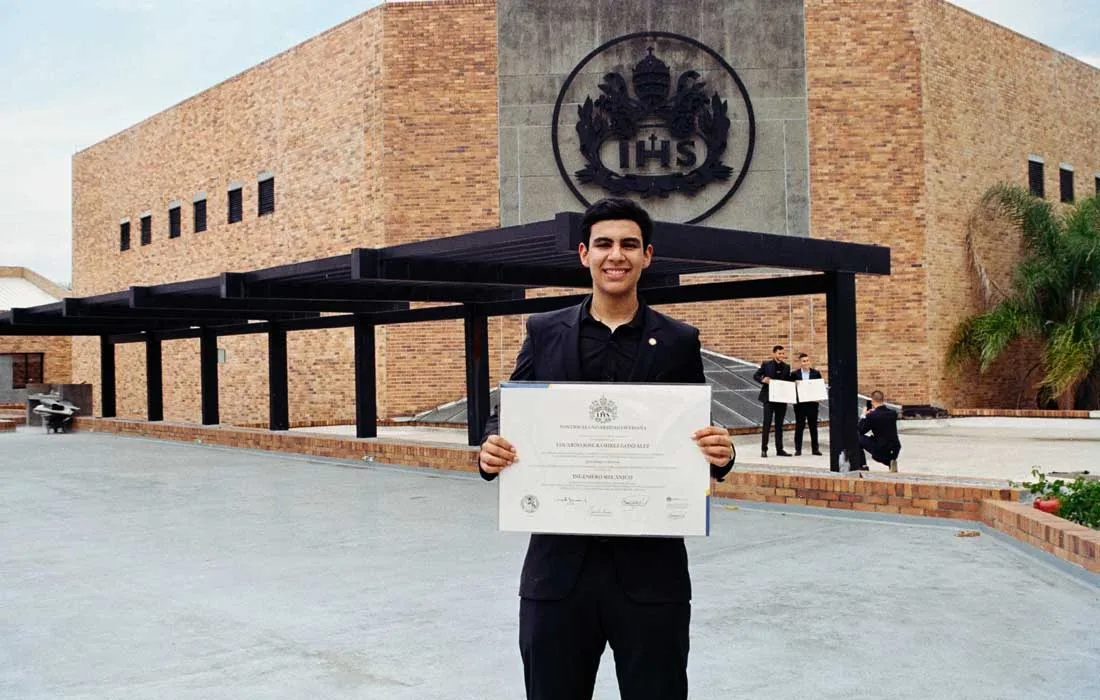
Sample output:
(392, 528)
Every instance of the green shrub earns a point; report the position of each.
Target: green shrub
(1080, 498)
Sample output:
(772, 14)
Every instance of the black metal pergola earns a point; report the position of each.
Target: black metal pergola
(472, 277)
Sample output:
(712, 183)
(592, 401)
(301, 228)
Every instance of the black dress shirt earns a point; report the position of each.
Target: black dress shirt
(609, 356)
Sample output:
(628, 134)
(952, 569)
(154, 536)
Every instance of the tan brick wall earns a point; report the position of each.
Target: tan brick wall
(866, 157)
(991, 98)
(441, 170)
(396, 143)
(57, 350)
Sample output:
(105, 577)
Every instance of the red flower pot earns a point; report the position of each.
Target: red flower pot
(1048, 505)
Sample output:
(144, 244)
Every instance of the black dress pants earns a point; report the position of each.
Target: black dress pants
(805, 414)
(776, 411)
(880, 452)
(561, 641)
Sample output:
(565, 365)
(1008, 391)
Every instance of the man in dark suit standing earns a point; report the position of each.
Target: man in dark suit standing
(775, 368)
(882, 422)
(579, 593)
(805, 413)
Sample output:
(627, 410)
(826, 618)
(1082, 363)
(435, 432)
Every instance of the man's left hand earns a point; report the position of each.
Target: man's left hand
(715, 443)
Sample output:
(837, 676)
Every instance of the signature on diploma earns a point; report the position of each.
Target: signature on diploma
(636, 501)
(599, 512)
(571, 501)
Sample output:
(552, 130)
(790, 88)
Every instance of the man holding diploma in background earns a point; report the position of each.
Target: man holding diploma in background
(578, 592)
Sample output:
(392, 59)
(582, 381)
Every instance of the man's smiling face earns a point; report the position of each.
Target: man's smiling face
(615, 256)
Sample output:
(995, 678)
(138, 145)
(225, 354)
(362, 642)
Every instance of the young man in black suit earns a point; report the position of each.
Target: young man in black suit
(579, 593)
(775, 368)
(805, 413)
(882, 422)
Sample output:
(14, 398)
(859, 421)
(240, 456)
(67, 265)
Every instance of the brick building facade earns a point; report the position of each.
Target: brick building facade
(395, 127)
(53, 352)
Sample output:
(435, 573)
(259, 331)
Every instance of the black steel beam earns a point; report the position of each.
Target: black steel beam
(476, 330)
(208, 375)
(278, 390)
(143, 300)
(78, 309)
(106, 377)
(673, 241)
(840, 303)
(551, 235)
(377, 291)
(154, 380)
(739, 289)
(53, 330)
(366, 399)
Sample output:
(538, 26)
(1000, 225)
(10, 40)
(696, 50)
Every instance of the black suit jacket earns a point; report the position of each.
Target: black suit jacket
(651, 569)
(772, 369)
(883, 424)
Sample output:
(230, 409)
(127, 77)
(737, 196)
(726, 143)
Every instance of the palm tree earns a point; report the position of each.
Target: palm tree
(1054, 298)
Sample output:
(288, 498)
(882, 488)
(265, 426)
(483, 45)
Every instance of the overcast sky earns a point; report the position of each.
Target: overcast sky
(77, 71)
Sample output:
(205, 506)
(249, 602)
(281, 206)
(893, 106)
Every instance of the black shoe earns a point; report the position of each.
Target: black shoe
(817, 453)
(782, 453)
(764, 454)
(798, 453)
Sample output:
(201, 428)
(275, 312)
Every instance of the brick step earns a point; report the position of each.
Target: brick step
(14, 417)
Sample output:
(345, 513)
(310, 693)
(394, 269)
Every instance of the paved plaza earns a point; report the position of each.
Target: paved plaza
(134, 568)
(960, 448)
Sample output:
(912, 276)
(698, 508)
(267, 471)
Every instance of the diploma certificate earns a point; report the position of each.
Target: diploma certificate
(605, 459)
(811, 390)
(780, 391)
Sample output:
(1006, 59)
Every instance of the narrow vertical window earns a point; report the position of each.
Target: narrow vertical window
(146, 229)
(1065, 183)
(174, 222)
(236, 206)
(124, 235)
(266, 187)
(1035, 177)
(1097, 178)
(200, 214)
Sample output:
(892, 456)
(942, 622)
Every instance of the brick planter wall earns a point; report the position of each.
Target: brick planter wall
(1015, 413)
(6, 426)
(873, 495)
(336, 447)
(1062, 538)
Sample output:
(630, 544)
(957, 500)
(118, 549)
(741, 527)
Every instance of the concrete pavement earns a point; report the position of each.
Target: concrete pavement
(134, 568)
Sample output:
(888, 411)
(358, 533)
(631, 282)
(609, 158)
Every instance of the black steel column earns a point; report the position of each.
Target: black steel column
(107, 376)
(278, 391)
(154, 379)
(208, 372)
(476, 326)
(366, 397)
(840, 302)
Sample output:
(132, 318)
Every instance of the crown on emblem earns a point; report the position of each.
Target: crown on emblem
(652, 79)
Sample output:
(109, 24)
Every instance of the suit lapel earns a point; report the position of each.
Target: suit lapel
(652, 344)
(571, 343)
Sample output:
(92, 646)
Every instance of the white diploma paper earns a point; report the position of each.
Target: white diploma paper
(605, 459)
(811, 390)
(780, 391)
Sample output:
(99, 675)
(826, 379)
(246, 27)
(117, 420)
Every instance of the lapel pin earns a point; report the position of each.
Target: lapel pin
(652, 341)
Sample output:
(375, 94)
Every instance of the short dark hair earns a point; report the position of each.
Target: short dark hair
(801, 355)
(878, 396)
(777, 348)
(616, 208)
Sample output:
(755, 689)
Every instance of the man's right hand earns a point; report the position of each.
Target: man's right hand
(496, 454)
(766, 380)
